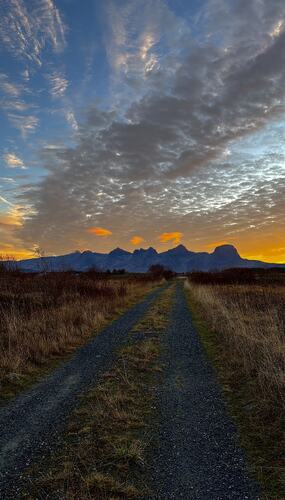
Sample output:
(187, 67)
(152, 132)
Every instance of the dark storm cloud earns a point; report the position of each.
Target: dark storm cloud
(127, 170)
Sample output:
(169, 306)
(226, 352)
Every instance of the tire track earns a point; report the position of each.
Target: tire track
(197, 455)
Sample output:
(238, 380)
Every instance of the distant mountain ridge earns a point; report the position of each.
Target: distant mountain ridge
(178, 259)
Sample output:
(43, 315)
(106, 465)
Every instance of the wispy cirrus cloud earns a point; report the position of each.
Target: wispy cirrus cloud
(27, 124)
(4, 200)
(13, 161)
(8, 88)
(57, 84)
(27, 27)
(136, 45)
(14, 105)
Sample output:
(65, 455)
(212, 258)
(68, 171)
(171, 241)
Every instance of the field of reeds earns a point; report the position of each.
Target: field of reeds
(47, 315)
(241, 318)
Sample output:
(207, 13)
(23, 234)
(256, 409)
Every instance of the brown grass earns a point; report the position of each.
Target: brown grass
(104, 453)
(243, 330)
(45, 316)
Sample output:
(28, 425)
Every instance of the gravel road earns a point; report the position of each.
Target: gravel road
(197, 455)
(30, 424)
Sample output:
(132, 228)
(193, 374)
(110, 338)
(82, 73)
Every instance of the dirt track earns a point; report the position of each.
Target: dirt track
(196, 452)
(197, 455)
(30, 424)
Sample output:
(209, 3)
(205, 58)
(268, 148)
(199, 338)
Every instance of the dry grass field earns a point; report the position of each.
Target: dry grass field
(243, 328)
(45, 316)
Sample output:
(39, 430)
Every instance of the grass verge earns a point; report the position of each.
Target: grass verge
(51, 318)
(104, 452)
(257, 413)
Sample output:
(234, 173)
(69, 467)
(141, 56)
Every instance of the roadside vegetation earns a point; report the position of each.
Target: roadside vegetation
(103, 454)
(45, 316)
(240, 316)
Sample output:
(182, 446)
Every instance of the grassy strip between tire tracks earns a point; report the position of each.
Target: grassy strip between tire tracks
(104, 452)
(260, 430)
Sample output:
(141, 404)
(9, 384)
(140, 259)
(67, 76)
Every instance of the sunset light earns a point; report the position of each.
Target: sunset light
(142, 249)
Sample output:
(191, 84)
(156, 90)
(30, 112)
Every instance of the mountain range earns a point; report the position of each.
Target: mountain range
(178, 259)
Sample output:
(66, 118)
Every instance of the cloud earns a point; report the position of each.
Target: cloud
(13, 161)
(4, 200)
(58, 84)
(8, 88)
(11, 219)
(12, 103)
(136, 45)
(15, 105)
(29, 26)
(161, 158)
(70, 118)
(174, 237)
(136, 240)
(26, 75)
(25, 123)
(99, 231)
(10, 244)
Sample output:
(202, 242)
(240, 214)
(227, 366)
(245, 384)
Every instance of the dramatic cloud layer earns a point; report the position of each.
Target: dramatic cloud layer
(186, 134)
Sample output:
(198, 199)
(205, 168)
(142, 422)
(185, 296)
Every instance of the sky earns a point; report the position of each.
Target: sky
(138, 123)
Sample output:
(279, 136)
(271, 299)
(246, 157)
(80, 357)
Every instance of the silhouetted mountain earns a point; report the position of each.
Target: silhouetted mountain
(178, 259)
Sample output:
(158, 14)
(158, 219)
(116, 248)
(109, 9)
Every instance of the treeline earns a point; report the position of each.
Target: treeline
(240, 276)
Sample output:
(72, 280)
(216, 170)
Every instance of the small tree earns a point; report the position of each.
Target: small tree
(160, 271)
(44, 264)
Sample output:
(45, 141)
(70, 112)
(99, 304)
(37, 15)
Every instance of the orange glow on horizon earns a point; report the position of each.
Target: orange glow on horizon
(10, 245)
(99, 231)
(267, 246)
(8, 252)
(274, 255)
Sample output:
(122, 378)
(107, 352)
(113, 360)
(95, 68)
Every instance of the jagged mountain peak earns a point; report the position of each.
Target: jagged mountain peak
(178, 259)
(149, 250)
